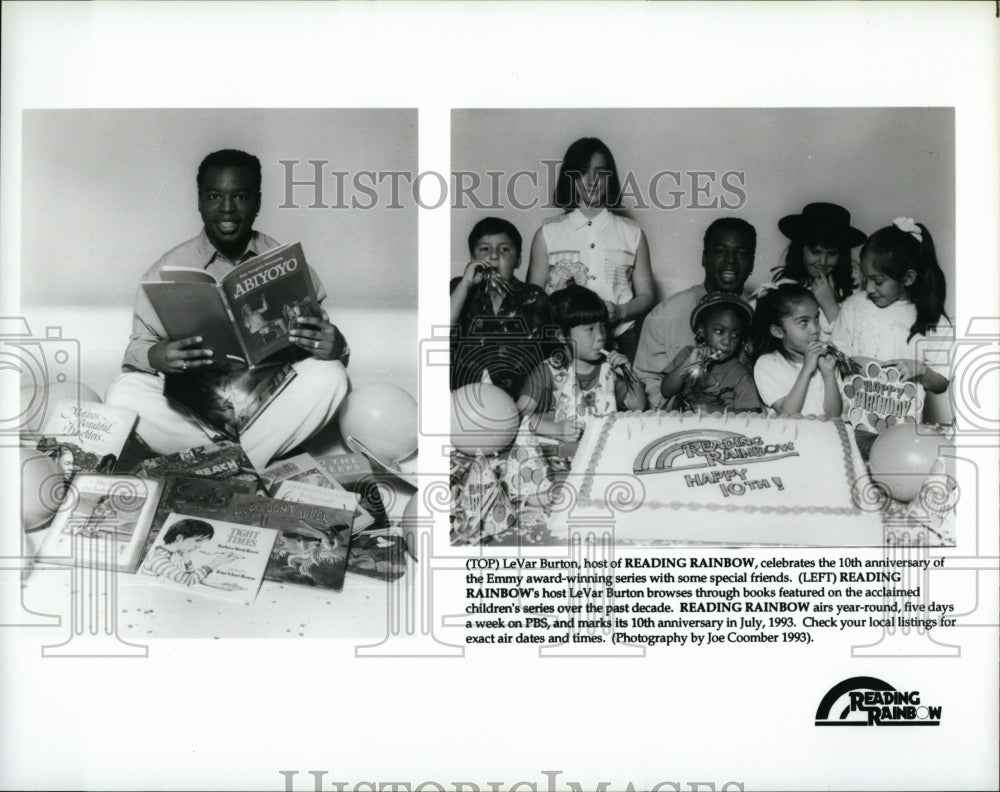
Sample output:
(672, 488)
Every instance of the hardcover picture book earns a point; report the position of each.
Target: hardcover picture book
(301, 492)
(305, 479)
(85, 437)
(225, 459)
(103, 521)
(228, 401)
(245, 317)
(312, 544)
(348, 469)
(209, 556)
(378, 553)
(378, 549)
(302, 468)
(198, 496)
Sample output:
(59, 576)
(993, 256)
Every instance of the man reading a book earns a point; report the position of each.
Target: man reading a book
(228, 201)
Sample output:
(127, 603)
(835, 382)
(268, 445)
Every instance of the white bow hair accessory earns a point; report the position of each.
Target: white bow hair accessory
(764, 288)
(908, 225)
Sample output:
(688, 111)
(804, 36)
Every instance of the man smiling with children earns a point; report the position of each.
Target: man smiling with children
(713, 347)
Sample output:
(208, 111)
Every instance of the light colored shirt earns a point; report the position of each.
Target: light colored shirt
(775, 375)
(597, 252)
(863, 330)
(176, 567)
(197, 253)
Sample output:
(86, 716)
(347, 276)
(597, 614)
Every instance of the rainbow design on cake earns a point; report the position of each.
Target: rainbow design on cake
(720, 479)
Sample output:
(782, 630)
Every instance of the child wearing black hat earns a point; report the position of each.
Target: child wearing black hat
(711, 375)
(819, 257)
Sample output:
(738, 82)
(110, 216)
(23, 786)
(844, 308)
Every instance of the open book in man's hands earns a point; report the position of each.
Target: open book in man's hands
(245, 317)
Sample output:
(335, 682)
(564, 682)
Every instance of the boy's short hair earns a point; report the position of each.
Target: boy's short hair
(230, 158)
(183, 529)
(489, 226)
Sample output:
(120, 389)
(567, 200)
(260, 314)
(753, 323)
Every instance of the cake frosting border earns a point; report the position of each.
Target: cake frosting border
(850, 456)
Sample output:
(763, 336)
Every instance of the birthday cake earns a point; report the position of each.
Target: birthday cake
(719, 479)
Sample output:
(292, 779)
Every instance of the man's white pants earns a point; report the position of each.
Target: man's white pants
(304, 407)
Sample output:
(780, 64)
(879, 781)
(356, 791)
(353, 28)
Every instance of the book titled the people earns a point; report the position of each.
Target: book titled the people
(209, 556)
(102, 523)
(245, 317)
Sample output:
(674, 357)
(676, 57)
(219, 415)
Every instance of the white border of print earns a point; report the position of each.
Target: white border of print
(201, 714)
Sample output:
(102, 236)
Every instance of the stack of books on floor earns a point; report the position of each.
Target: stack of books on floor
(205, 519)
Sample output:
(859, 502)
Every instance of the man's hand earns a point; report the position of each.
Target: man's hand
(318, 337)
(187, 354)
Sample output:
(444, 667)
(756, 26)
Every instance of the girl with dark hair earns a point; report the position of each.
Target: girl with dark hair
(900, 319)
(582, 381)
(819, 257)
(589, 246)
(795, 372)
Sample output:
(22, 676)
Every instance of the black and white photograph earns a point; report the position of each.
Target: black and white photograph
(688, 480)
(670, 339)
(170, 226)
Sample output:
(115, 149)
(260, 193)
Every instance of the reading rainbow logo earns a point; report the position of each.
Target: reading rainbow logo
(701, 448)
(869, 701)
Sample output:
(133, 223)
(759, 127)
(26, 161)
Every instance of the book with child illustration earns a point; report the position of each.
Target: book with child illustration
(229, 402)
(85, 436)
(103, 522)
(209, 556)
(198, 496)
(245, 318)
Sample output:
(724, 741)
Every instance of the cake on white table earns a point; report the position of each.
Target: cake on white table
(720, 479)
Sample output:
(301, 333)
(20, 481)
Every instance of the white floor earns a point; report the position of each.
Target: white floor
(384, 348)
